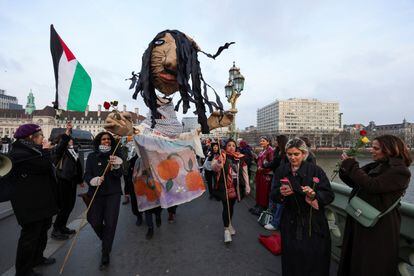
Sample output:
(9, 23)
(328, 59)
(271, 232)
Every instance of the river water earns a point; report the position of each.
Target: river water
(327, 161)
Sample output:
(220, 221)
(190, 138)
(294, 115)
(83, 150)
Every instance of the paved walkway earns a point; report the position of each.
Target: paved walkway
(192, 246)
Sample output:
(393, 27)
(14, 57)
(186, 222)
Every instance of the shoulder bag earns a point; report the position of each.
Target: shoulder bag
(364, 213)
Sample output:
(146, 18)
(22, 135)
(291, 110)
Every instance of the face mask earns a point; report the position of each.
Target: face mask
(103, 148)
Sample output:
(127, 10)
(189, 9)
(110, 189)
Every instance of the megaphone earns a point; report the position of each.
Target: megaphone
(5, 165)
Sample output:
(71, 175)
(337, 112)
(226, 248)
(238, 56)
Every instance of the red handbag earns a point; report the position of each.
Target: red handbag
(272, 242)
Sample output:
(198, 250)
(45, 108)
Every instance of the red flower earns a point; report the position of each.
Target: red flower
(107, 105)
(315, 180)
(363, 132)
(284, 181)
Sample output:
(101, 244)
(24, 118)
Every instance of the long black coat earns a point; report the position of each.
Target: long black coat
(95, 166)
(379, 184)
(35, 193)
(304, 253)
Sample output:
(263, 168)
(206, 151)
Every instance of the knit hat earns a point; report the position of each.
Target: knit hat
(25, 130)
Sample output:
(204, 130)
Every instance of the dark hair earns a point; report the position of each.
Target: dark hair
(267, 139)
(97, 140)
(187, 65)
(228, 141)
(213, 144)
(306, 140)
(392, 146)
(281, 143)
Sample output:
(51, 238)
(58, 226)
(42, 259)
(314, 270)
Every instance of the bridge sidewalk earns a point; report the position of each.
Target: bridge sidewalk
(192, 246)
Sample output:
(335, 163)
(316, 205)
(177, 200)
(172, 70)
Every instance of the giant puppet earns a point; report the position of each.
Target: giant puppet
(167, 173)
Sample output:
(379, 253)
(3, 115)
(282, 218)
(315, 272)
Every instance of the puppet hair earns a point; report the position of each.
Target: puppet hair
(187, 65)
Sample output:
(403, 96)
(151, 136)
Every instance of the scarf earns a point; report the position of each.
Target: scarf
(72, 152)
(31, 145)
(236, 155)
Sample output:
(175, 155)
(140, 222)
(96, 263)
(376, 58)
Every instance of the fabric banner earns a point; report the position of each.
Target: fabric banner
(167, 173)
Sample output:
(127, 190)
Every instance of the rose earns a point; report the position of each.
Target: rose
(285, 181)
(363, 132)
(106, 105)
(365, 140)
(316, 180)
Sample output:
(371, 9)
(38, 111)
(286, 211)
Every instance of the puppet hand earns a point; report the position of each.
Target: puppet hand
(220, 119)
(119, 123)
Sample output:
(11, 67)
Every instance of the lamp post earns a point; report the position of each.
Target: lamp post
(233, 90)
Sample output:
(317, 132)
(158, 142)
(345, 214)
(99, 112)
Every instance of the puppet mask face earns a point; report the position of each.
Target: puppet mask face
(164, 65)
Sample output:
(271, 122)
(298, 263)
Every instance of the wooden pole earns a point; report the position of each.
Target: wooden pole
(85, 213)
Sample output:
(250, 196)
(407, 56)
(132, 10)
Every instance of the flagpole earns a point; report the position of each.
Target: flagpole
(85, 213)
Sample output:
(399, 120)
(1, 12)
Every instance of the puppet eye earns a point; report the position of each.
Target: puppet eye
(159, 42)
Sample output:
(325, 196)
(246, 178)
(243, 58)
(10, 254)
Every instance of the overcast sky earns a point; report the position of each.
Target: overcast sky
(359, 53)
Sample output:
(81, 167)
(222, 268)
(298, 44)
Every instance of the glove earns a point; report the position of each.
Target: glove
(96, 181)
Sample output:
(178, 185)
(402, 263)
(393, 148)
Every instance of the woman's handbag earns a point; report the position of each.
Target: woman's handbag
(364, 213)
(265, 217)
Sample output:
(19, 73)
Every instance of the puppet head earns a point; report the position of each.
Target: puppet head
(167, 65)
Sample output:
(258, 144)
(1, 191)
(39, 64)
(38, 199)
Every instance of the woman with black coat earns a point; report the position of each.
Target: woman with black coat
(279, 158)
(304, 190)
(34, 200)
(104, 211)
(380, 183)
(208, 171)
(69, 174)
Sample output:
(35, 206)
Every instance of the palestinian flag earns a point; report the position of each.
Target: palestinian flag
(73, 84)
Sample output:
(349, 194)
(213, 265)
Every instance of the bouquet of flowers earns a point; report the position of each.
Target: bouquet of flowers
(353, 151)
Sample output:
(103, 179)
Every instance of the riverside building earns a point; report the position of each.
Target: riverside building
(295, 116)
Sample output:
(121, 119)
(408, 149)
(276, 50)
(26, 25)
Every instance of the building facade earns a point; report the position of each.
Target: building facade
(404, 130)
(92, 121)
(295, 116)
(8, 102)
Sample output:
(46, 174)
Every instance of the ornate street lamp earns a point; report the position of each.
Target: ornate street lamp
(233, 90)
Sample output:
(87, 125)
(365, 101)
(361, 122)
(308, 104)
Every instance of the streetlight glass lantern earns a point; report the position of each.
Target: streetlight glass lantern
(234, 71)
(228, 90)
(238, 83)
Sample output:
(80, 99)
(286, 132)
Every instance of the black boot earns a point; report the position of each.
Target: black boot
(139, 221)
(158, 220)
(104, 261)
(150, 233)
(58, 235)
(67, 231)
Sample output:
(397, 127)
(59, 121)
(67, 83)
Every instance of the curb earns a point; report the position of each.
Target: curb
(5, 214)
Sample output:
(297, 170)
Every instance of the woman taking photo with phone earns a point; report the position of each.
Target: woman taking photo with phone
(304, 190)
(381, 184)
